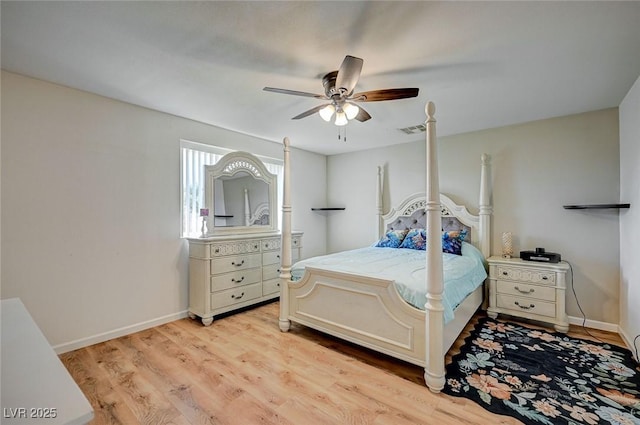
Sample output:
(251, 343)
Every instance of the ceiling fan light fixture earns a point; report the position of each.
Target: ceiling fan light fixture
(351, 110)
(327, 112)
(341, 118)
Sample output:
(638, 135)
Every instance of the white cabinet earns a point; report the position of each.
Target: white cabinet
(528, 289)
(235, 271)
(36, 387)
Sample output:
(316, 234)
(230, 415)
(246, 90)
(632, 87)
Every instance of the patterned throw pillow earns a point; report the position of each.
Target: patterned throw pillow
(452, 241)
(415, 239)
(392, 239)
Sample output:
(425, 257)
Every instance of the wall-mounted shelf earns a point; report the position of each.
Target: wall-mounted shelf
(329, 209)
(596, 206)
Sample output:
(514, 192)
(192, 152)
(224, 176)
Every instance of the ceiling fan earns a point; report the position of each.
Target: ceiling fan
(338, 89)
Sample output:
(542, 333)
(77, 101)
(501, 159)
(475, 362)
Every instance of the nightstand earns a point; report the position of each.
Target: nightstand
(528, 289)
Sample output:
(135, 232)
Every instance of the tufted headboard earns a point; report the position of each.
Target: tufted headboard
(411, 214)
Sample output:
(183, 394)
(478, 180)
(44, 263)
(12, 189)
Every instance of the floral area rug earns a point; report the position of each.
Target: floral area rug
(545, 378)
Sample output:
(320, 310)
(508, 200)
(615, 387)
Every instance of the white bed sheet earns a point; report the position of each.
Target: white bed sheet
(406, 267)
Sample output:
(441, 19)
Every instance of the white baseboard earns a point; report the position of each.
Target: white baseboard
(594, 324)
(116, 333)
(610, 327)
(629, 342)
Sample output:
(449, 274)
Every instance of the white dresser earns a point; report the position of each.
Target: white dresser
(528, 289)
(234, 271)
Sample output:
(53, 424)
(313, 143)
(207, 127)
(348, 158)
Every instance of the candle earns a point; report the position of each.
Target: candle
(507, 244)
(204, 212)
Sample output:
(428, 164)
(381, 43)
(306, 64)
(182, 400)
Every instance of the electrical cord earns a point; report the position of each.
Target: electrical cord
(584, 317)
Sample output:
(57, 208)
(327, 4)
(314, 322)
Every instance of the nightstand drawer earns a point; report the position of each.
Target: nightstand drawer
(235, 296)
(234, 263)
(526, 305)
(235, 279)
(526, 275)
(547, 293)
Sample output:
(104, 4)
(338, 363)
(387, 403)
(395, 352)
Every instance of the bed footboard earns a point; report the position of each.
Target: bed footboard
(364, 310)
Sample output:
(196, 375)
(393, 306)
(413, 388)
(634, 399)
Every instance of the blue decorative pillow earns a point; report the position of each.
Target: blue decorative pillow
(415, 239)
(452, 241)
(392, 239)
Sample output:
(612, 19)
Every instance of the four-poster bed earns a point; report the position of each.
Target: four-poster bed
(369, 310)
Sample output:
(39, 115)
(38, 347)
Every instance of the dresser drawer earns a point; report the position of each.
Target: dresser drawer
(235, 248)
(271, 244)
(271, 272)
(270, 287)
(234, 263)
(547, 293)
(234, 296)
(526, 275)
(271, 257)
(235, 279)
(526, 305)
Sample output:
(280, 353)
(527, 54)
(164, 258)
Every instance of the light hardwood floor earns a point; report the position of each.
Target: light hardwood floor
(242, 370)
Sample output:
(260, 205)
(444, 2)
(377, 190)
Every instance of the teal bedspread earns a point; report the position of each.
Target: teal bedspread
(406, 267)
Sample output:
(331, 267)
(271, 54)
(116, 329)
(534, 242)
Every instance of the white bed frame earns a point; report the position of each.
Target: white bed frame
(369, 311)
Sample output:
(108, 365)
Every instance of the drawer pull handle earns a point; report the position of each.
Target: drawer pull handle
(524, 307)
(278, 270)
(255, 247)
(277, 256)
(233, 263)
(238, 296)
(545, 277)
(233, 279)
(530, 291)
(505, 273)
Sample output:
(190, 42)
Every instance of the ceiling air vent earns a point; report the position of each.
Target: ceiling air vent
(415, 129)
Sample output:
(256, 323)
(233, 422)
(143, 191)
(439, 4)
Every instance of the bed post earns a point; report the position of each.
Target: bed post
(434, 326)
(247, 208)
(485, 209)
(379, 183)
(285, 254)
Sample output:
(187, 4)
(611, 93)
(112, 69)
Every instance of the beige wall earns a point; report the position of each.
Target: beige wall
(630, 218)
(90, 208)
(537, 168)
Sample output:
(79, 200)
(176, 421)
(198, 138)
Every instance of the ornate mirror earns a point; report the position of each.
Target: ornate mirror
(240, 194)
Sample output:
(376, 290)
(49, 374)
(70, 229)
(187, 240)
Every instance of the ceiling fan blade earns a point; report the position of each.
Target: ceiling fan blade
(309, 112)
(295, 92)
(385, 94)
(362, 115)
(349, 73)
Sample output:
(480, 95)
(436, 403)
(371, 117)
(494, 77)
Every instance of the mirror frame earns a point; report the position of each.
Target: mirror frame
(229, 165)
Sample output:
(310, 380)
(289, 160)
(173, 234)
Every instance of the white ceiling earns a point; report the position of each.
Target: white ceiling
(484, 64)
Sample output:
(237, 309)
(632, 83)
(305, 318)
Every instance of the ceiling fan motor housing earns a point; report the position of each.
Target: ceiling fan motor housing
(329, 83)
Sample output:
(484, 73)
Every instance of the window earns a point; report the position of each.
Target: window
(193, 158)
